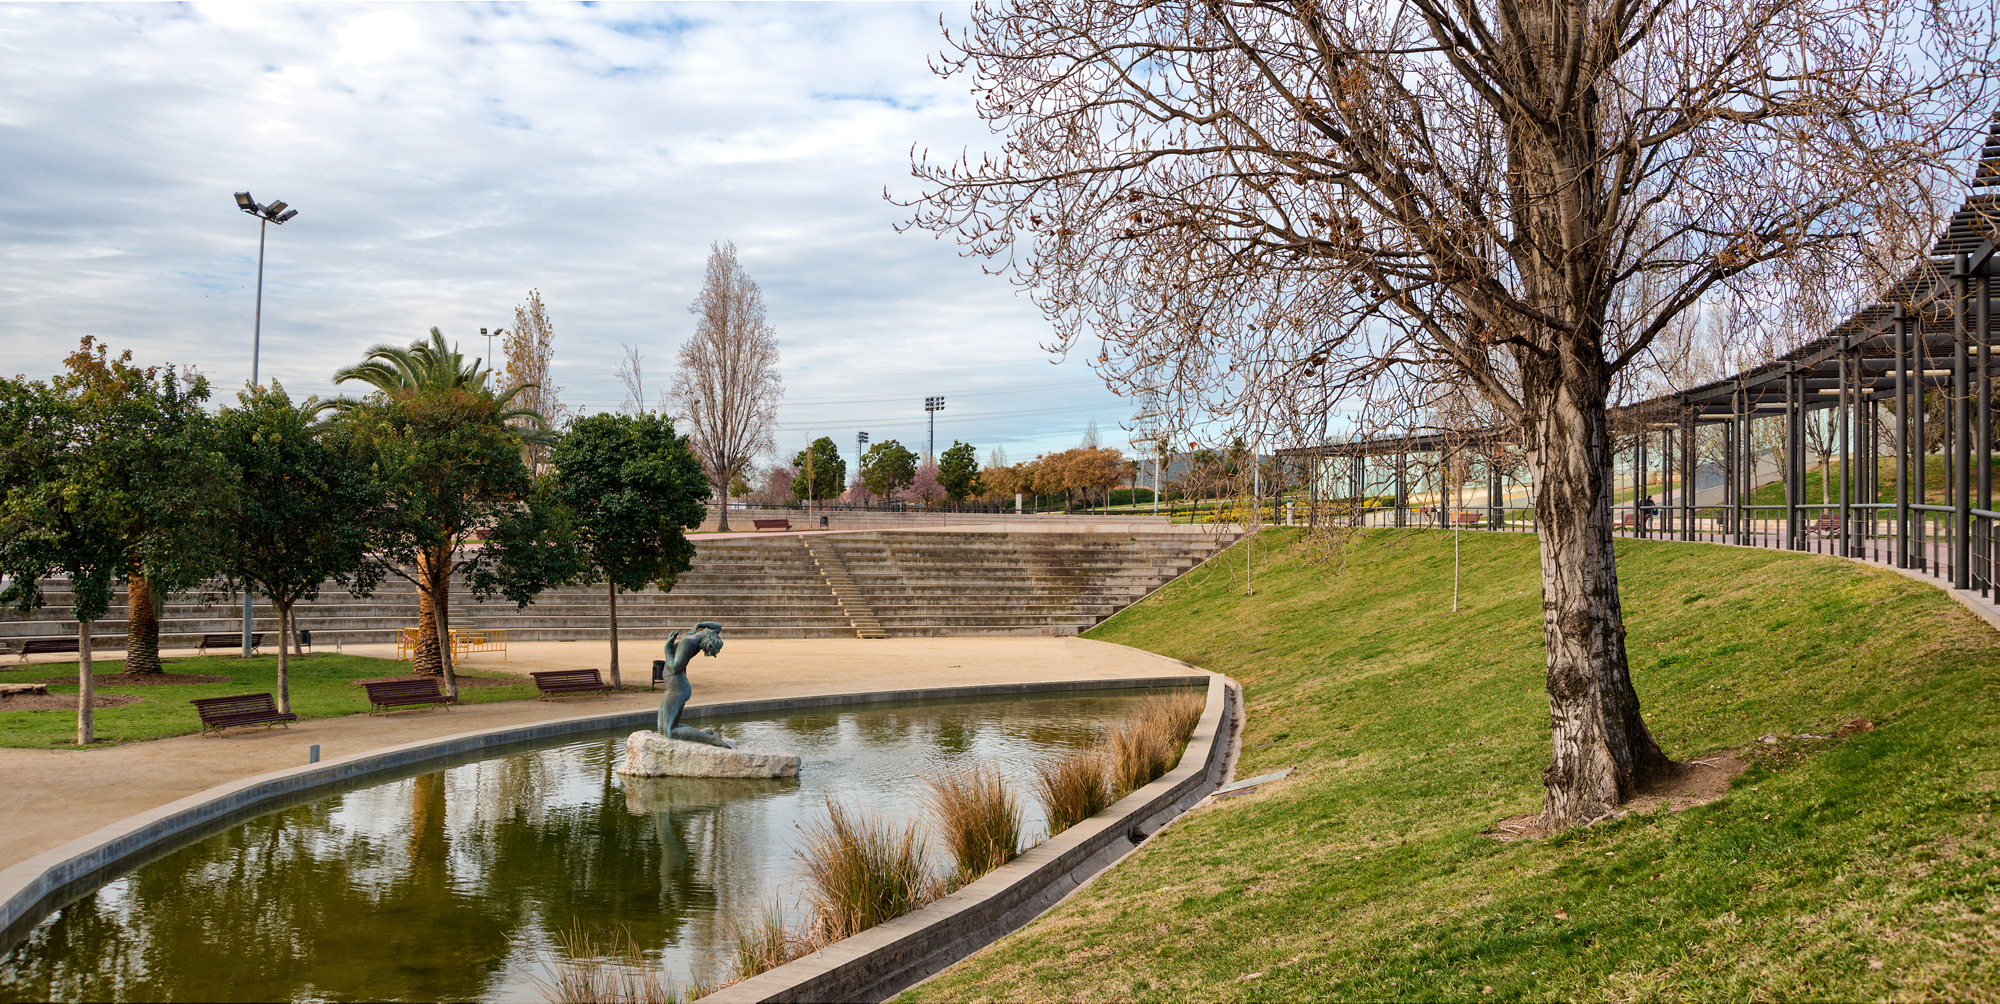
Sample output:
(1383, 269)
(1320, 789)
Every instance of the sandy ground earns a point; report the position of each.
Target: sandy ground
(54, 796)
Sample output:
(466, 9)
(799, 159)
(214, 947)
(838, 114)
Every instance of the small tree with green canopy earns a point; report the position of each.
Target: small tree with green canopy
(632, 489)
(306, 496)
(821, 471)
(958, 471)
(888, 468)
(447, 449)
(105, 471)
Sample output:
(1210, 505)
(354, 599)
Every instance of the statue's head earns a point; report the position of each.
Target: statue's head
(711, 636)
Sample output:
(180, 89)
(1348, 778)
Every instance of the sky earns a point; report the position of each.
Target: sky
(444, 159)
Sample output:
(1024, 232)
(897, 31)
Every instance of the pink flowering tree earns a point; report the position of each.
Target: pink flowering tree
(925, 488)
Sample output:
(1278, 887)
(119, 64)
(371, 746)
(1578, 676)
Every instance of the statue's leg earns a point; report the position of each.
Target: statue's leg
(671, 703)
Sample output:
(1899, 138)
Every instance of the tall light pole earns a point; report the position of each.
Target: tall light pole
(933, 405)
(860, 454)
(277, 213)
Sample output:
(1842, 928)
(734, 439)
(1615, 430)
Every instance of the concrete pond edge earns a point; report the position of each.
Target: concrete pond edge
(30, 890)
(891, 957)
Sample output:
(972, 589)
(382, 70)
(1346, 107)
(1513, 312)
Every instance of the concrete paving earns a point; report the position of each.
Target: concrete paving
(55, 796)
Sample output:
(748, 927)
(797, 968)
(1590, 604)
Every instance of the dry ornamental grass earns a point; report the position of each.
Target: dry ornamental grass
(1072, 788)
(862, 872)
(980, 818)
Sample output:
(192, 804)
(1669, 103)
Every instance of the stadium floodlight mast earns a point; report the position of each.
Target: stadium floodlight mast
(860, 452)
(933, 405)
(277, 212)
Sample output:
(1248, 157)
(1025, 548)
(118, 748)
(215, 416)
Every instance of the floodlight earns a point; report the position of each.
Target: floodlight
(288, 214)
(275, 208)
(245, 202)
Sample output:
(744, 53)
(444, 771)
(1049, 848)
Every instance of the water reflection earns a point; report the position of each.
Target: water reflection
(451, 883)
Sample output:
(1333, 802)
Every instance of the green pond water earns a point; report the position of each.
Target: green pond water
(452, 882)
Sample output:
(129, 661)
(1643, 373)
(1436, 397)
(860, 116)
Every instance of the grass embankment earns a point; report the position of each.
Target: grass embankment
(1850, 868)
(323, 686)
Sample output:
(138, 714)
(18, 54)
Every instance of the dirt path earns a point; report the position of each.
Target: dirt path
(55, 796)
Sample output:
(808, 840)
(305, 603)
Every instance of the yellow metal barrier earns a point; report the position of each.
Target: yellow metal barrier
(468, 640)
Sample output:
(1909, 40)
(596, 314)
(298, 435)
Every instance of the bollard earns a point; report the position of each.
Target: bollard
(312, 753)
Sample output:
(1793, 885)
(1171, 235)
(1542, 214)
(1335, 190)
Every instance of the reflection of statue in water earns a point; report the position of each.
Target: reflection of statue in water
(706, 637)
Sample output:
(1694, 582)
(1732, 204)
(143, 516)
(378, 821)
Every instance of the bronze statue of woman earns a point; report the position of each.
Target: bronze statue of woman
(706, 637)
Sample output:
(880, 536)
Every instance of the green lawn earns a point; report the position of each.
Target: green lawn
(322, 687)
(1861, 867)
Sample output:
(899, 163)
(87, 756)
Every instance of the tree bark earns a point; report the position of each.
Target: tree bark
(142, 627)
(1602, 750)
(723, 527)
(424, 660)
(284, 654)
(612, 590)
(85, 689)
(441, 606)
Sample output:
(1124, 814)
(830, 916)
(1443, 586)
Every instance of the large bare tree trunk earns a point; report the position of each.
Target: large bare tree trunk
(1602, 751)
(612, 589)
(85, 691)
(284, 654)
(142, 627)
(723, 527)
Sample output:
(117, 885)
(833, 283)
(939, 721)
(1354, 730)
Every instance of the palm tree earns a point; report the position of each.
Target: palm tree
(450, 444)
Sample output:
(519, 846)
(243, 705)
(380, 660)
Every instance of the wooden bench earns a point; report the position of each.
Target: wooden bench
(1464, 518)
(386, 694)
(771, 524)
(554, 683)
(228, 639)
(36, 646)
(1825, 526)
(218, 713)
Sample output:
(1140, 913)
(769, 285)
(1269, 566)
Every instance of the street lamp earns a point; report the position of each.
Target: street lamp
(933, 405)
(276, 212)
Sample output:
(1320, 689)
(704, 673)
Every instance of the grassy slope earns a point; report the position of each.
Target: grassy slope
(322, 687)
(1861, 867)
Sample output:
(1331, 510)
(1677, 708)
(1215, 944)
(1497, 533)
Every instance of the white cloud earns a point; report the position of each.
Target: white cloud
(446, 158)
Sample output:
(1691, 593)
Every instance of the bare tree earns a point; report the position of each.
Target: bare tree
(1229, 195)
(729, 385)
(530, 352)
(631, 372)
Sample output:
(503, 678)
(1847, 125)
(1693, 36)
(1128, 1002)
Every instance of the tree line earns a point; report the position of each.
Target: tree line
(117, 474)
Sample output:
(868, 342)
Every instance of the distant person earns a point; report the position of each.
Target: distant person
(1646, 509)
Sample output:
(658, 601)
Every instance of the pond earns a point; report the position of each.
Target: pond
(452, 883)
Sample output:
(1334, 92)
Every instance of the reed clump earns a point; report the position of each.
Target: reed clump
(1149, 743)
(765, 943)
(1072, 788)
(862, 872)
(980, 818)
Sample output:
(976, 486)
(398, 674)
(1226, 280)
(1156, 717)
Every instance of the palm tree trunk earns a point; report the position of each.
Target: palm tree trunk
(425, 660)
(612, 591)
(85, 733)
(142, 627)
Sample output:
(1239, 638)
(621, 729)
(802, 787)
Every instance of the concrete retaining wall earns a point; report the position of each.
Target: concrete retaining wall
(884, 960)
(32, 889)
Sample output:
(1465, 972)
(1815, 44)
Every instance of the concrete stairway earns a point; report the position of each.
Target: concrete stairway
(872, 584)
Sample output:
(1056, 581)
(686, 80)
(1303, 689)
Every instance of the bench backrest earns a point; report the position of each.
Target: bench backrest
(564, 677)
(49, 645)
(231, 638)
(402, 688)
(766, 524)
(238, 704)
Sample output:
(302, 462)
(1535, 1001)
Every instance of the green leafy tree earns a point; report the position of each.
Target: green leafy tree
(447, 448)
(958, 471)
(827, 471)
(105, 472)
(888, 468)
(632, 489)
(306, 495)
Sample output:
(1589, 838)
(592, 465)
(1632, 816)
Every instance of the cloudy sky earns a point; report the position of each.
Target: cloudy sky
(444, 159)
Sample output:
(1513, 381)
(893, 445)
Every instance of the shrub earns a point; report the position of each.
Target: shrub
(1072, 788)
(862, 873)
(980, 817)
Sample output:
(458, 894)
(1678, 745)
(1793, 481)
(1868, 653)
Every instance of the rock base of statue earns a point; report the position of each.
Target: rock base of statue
(650, 754)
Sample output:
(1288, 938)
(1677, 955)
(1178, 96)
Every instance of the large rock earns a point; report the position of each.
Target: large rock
(650, 754)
